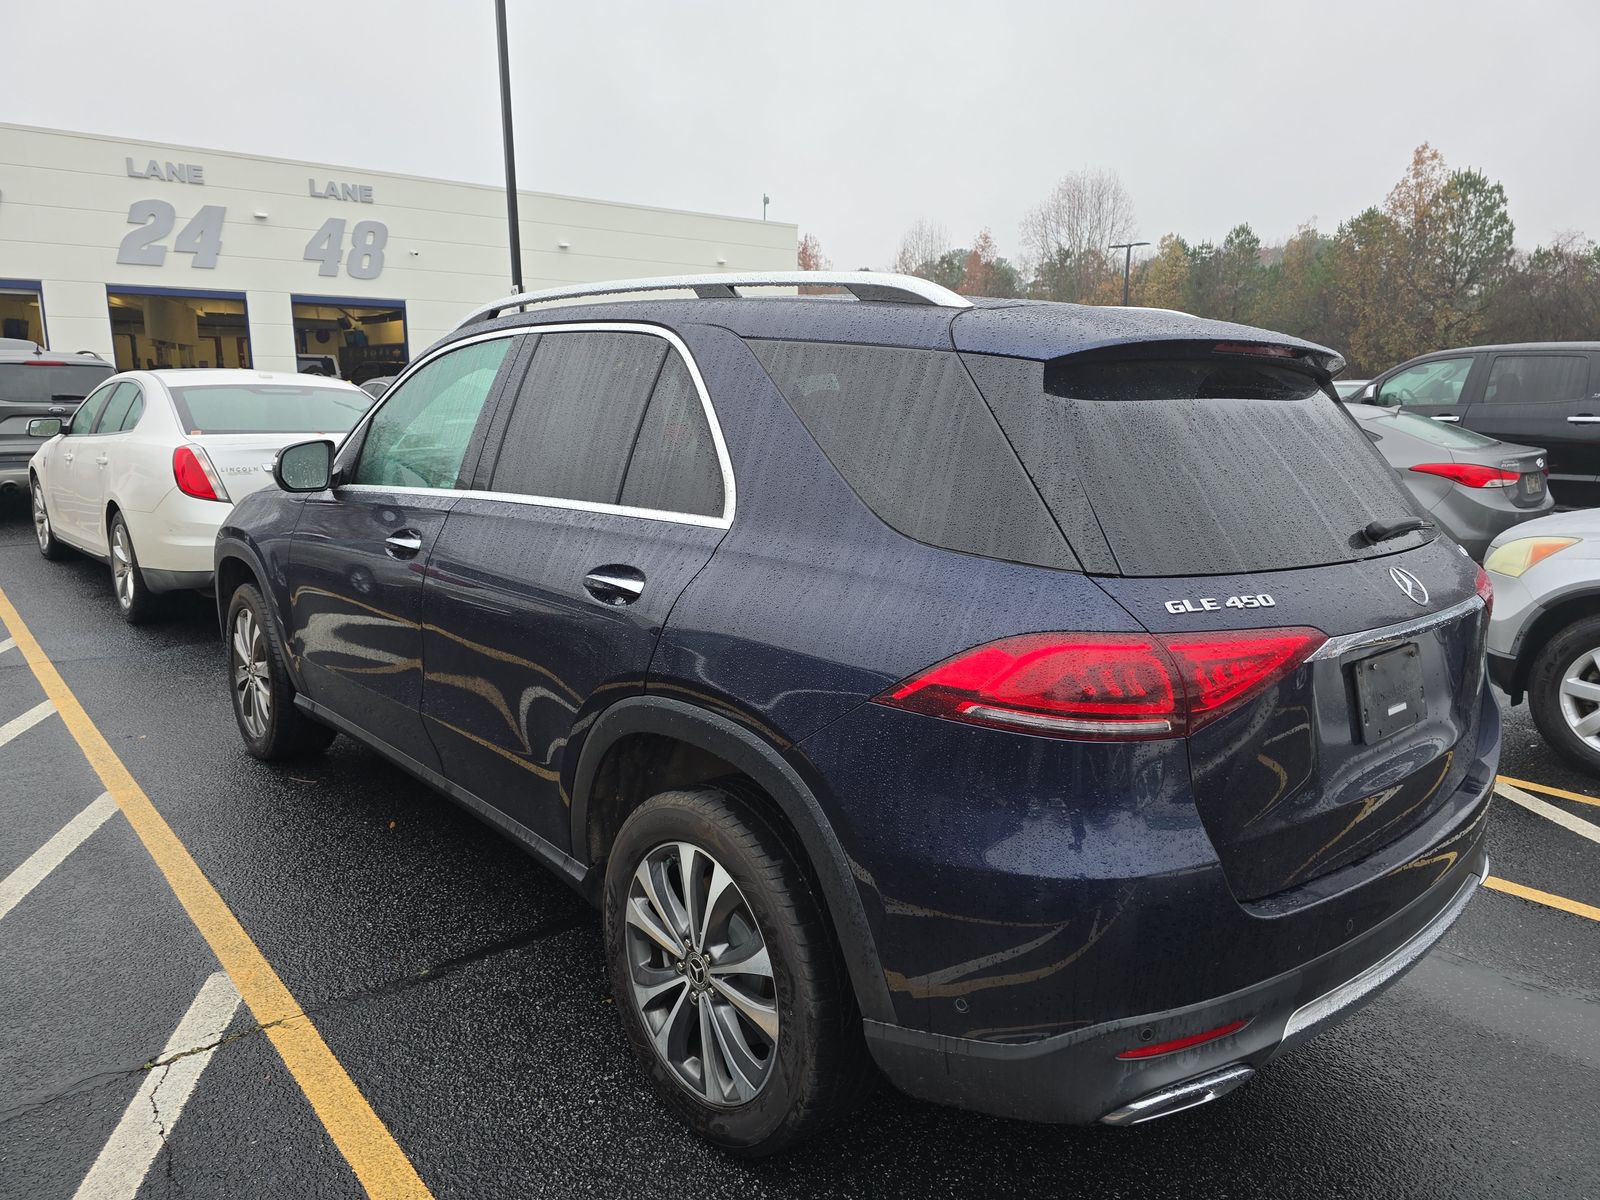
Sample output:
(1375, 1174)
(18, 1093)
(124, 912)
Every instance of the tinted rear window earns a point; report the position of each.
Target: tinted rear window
(914, 440)
(268, 408)
(44, 385)
(1195, 466)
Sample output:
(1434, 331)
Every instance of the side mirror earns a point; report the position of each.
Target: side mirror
(44, 427)
(304, 466)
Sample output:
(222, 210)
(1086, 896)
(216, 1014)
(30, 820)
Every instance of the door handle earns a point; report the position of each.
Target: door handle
(1584, 419)
(404, 544)
(67, 455)
(1451, 417)
(616, 585)
(101, 461)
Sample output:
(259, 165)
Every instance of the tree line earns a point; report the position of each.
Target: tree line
(1434, 266)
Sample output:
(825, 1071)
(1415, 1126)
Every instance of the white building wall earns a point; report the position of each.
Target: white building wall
(64, 214)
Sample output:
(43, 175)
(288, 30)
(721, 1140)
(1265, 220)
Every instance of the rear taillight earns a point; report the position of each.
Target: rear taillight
(195, 476)
(1105, 686)
(1471, 475)
(1485, 590)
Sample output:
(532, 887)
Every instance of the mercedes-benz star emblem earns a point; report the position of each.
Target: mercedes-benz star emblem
(1409, 584)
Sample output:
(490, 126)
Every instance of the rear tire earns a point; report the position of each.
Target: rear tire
(136, 601)
(263, 694)
(1564, 693)
(49, 545)
(788, 1056)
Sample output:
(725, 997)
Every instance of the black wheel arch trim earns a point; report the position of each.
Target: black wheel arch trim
(728, 740)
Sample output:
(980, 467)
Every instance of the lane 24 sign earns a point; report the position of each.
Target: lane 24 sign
(201, 239)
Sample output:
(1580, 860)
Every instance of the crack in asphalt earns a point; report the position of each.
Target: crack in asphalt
(389, 987)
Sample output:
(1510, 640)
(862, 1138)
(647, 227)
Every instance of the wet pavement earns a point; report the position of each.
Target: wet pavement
(463, 991)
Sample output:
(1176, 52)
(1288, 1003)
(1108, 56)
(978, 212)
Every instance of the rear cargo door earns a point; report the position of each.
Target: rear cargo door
(1229, 491)
(42, 386)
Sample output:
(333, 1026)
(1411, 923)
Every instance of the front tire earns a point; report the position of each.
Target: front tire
(726, 975)
(134, 597)
(263, 694)
(1564, 693)
(49, 545)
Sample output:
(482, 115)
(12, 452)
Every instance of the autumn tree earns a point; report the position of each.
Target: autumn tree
(985, 273)
(1551, 294)
(1224, 280)
(809, 256)
(1162, 281)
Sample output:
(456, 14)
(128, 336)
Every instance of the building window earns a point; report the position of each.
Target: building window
(22, 311)
(155, 328)
(356, 340)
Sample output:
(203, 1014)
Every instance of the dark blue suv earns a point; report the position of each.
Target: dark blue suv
(1061, 709)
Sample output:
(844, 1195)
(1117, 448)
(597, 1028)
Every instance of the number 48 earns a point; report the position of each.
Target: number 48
(367, 241)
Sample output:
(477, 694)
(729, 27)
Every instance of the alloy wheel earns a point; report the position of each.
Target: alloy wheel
(122, 564)
(1580, 697)
(41, 519)
(250, 681)
(701, 975)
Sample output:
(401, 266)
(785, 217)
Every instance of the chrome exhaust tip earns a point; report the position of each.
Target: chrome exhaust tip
(1180, 1096)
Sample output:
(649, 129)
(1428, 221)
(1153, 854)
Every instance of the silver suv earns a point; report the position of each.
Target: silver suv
(1544, 633)
(37, 383)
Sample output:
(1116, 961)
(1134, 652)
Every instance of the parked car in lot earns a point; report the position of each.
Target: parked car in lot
(37, 383)
(146, 469)
(1544, 640)
(1473, 486)
(377, 385)
(1541, 393)
(1064, 707)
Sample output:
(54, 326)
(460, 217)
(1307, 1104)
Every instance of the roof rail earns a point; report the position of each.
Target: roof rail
(863, 285)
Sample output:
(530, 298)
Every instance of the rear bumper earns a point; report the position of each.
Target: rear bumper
(1077, 1078)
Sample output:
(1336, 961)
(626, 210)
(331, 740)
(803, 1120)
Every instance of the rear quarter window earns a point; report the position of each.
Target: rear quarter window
(913, 438)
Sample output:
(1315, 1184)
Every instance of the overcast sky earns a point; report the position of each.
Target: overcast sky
(859, 118)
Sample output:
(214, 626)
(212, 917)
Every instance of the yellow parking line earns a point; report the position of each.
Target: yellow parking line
(363, 1139)
(1548, 791)
(1549, 899)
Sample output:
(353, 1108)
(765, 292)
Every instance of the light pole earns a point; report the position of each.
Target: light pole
(765, 200)
(515, 229)
(1127, 264)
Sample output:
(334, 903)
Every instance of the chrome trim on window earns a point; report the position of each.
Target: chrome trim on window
(724, 460)
(1344, 643)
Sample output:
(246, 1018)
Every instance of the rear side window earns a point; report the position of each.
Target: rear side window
(913, 438)
(1532, 378)
(576, 415)
(1196, 467)
(116, 409)
(420, 435)
(674, 467)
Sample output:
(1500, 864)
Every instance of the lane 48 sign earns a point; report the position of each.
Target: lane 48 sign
(201, 238)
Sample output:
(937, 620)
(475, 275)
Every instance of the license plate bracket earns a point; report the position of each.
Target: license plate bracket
(1389, 693)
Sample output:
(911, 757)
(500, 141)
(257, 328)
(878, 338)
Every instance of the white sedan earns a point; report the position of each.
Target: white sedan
(144, 472)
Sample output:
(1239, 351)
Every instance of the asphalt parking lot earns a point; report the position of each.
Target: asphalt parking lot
(469, 1043)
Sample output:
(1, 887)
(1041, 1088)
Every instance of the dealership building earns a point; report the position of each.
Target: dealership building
(169, 256)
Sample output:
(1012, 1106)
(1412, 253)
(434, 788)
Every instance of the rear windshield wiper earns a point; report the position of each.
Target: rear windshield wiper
(1382, 531)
